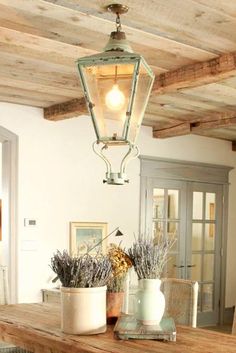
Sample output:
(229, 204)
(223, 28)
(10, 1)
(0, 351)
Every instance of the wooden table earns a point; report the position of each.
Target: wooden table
(36, 327)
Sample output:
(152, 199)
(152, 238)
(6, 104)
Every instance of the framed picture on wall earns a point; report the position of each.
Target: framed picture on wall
(85, 235)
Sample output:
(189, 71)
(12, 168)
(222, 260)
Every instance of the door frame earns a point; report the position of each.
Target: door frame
(10, 212)
(171, 169)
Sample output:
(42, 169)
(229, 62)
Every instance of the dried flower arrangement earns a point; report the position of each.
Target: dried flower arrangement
(120, 264)
(83, 271)
(149, 255)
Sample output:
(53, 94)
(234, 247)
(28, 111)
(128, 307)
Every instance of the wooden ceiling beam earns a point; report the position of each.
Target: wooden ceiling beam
(67, 110)
(195, 75)
(188, 76)
(221, 121)
(216, 124)
(234, 146)
(176, 130)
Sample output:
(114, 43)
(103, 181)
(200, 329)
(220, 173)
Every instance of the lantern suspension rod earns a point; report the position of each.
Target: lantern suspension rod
(118, 22)
(116, 74)
(118, 9)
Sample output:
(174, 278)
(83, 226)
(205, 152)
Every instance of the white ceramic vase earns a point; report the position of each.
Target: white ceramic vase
(150, 302)
(83, 310)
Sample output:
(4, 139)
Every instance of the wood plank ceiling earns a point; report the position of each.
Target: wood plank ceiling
(190, 45)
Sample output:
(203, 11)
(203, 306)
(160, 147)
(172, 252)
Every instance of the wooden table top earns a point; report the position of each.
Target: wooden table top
(36, 327)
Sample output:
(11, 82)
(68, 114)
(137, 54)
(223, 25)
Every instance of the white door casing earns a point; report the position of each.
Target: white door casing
(9, 207)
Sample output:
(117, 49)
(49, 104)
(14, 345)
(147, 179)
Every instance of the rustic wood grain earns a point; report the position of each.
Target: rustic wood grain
(176, 130)
(66, 110)
(197, 74)
(234, 323)
(198, 25)
(37, 328)
(211, 121)
(191, 51)
(194, 76)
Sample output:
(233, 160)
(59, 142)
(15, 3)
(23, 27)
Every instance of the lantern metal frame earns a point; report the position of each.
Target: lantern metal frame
(112, 58)
(117, 52)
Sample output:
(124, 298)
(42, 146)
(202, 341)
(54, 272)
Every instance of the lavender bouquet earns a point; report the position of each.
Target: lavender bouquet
(83, 271)
(149, 255)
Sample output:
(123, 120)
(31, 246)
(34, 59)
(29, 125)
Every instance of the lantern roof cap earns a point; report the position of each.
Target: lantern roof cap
(107, 56)
(114, 57)
(118, 41)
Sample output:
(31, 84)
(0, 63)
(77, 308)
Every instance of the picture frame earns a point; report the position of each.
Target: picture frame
(85, 235)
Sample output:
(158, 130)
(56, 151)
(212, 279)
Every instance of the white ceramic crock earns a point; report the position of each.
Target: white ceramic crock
(83, 310)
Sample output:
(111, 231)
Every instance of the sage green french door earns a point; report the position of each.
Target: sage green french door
(192, 213)
(203, 256)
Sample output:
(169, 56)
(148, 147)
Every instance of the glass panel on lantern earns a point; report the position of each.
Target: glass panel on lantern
(109, 89)
(158, 203)
(143, 88)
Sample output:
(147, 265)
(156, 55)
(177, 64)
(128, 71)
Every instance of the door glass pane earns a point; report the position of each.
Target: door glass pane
(210, 236)
(172, 231)
(208, 267)
(196, 269)
(207, 297)
(199, 297)
(158, 228)
(158, 203)
(172, 228)
(197, 205)
(197, 236)
(210, 206)
(170, 268)
(173, 204)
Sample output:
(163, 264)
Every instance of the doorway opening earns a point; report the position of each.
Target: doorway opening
(9, 167)
(188, 201)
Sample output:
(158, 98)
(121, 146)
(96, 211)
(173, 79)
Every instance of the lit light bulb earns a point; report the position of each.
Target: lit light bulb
(115, 99)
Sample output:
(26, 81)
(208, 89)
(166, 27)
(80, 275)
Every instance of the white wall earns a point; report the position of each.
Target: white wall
(0, 194)
(60, 180)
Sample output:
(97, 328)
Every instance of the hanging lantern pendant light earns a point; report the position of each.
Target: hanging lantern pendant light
(116, 84)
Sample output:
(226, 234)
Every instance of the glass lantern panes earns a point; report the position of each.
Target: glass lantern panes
(117, 88)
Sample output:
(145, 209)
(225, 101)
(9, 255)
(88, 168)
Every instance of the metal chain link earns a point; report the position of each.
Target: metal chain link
(118, 23)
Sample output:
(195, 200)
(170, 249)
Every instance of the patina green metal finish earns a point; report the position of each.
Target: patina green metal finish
(116, 84)
(115, 58)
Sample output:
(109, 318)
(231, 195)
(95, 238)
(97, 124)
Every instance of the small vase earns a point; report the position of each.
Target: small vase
(83, 310)
(150, 302)
(114, 306)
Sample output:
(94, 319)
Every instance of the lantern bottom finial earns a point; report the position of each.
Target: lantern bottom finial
(116, 178)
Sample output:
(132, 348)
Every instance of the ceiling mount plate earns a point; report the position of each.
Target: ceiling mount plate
(117, 8)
